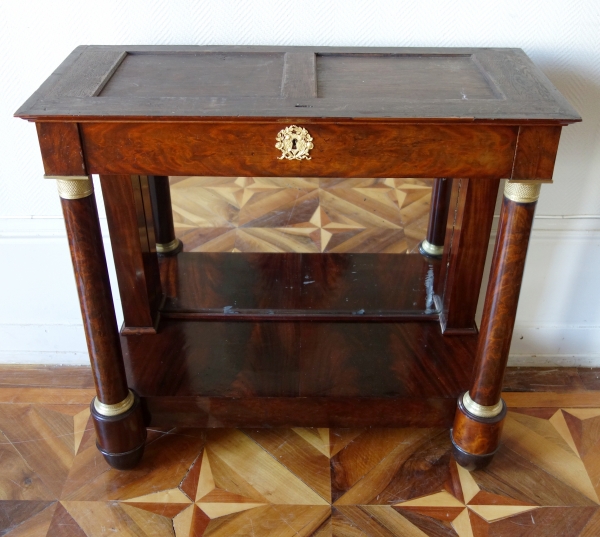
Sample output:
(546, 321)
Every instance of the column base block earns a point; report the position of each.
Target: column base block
(431, 250)
(123, 461)
(469, 461)
(121, 438)
(169, 250)
(475, 439)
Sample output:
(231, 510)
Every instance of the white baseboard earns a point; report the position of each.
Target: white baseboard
(44, 358)
(43, 344)
(554, 360)
(535, 345)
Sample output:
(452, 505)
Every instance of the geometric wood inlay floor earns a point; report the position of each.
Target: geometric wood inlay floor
(304, 215)
(544, 481)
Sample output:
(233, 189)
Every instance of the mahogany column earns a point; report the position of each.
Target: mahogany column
(481, 411)
(162, 211)
(433, 245)
(116, 410)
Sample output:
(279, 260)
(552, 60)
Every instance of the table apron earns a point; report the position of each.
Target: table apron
(340, 150)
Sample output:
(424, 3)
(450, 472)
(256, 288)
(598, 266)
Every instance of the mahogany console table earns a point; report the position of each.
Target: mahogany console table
(223, 340)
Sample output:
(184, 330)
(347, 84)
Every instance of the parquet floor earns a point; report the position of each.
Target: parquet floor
(545, 480)
(257, 214)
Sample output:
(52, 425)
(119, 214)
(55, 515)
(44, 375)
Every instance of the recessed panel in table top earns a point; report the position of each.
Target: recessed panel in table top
(417, 77)
(197, 75)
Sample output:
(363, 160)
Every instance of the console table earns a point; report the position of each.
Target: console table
(225, 340)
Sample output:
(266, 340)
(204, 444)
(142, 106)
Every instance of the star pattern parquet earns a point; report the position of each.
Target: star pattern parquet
(261, 214)
(544, 481)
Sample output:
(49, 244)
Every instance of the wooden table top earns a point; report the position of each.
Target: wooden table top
(169, 83)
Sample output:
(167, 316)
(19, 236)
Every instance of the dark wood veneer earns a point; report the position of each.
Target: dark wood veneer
(134, 249)
(500, 307)
(162, 211)
(303, 286)
(438, 212)
(536, 152)
(311, 411)
(61, 148)
(95, 298)
(471, 212)
(340, 150)
(299, 359)
(473, 115)
(521, 92)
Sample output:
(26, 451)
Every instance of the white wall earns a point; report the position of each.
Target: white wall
(559, 316)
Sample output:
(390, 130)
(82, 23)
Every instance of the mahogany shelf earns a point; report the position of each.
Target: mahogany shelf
(317, 362)
(215, 373)
(286, 286)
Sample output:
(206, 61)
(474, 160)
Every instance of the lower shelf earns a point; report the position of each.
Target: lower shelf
(293, 286)
(322, 374)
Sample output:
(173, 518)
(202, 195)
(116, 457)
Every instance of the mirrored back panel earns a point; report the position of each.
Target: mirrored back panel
(256, 246)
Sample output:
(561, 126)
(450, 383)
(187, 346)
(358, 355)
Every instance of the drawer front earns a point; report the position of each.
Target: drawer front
(340, 149)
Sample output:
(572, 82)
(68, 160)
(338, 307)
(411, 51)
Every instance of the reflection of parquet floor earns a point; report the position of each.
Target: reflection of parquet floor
(544, 481)
(257, 214)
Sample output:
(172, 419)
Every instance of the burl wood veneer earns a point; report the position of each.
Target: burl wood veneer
(340, 340)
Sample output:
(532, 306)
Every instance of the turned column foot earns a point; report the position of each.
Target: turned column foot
(476, 432)
(120, 431)
(116, 410)
(160, 194)
(433, 245)
(170, 248)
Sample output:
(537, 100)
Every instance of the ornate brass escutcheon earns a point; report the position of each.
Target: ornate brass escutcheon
(294, 143)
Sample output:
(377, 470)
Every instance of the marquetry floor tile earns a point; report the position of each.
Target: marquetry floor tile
(305, 215)
(544, 480)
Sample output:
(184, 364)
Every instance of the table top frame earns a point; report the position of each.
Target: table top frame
(522, 93)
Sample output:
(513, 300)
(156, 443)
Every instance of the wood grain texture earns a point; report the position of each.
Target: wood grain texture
(31, 384)
(299, 75)
(379, 76)
(438, 213)
(513, 89)
(501, 300)
(95, 298)
(555, 379)
(185, 76)
(355, 287)
(255, 374)
(305, 411)
(87, 78)
(392, 482)
(61, 148)
(248, 149)
(471, 210)
(481, 114)
(477, 436)
(40, 376)
(303, 215)
(264, 360)
(535, 153)
(162, 211)
(121, 438)
(134, 250)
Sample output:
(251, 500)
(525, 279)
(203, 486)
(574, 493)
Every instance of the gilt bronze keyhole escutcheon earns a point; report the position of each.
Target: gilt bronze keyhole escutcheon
(294, 143)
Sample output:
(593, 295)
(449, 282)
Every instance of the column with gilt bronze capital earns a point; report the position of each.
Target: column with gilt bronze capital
(116, 410)
(481, 410)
